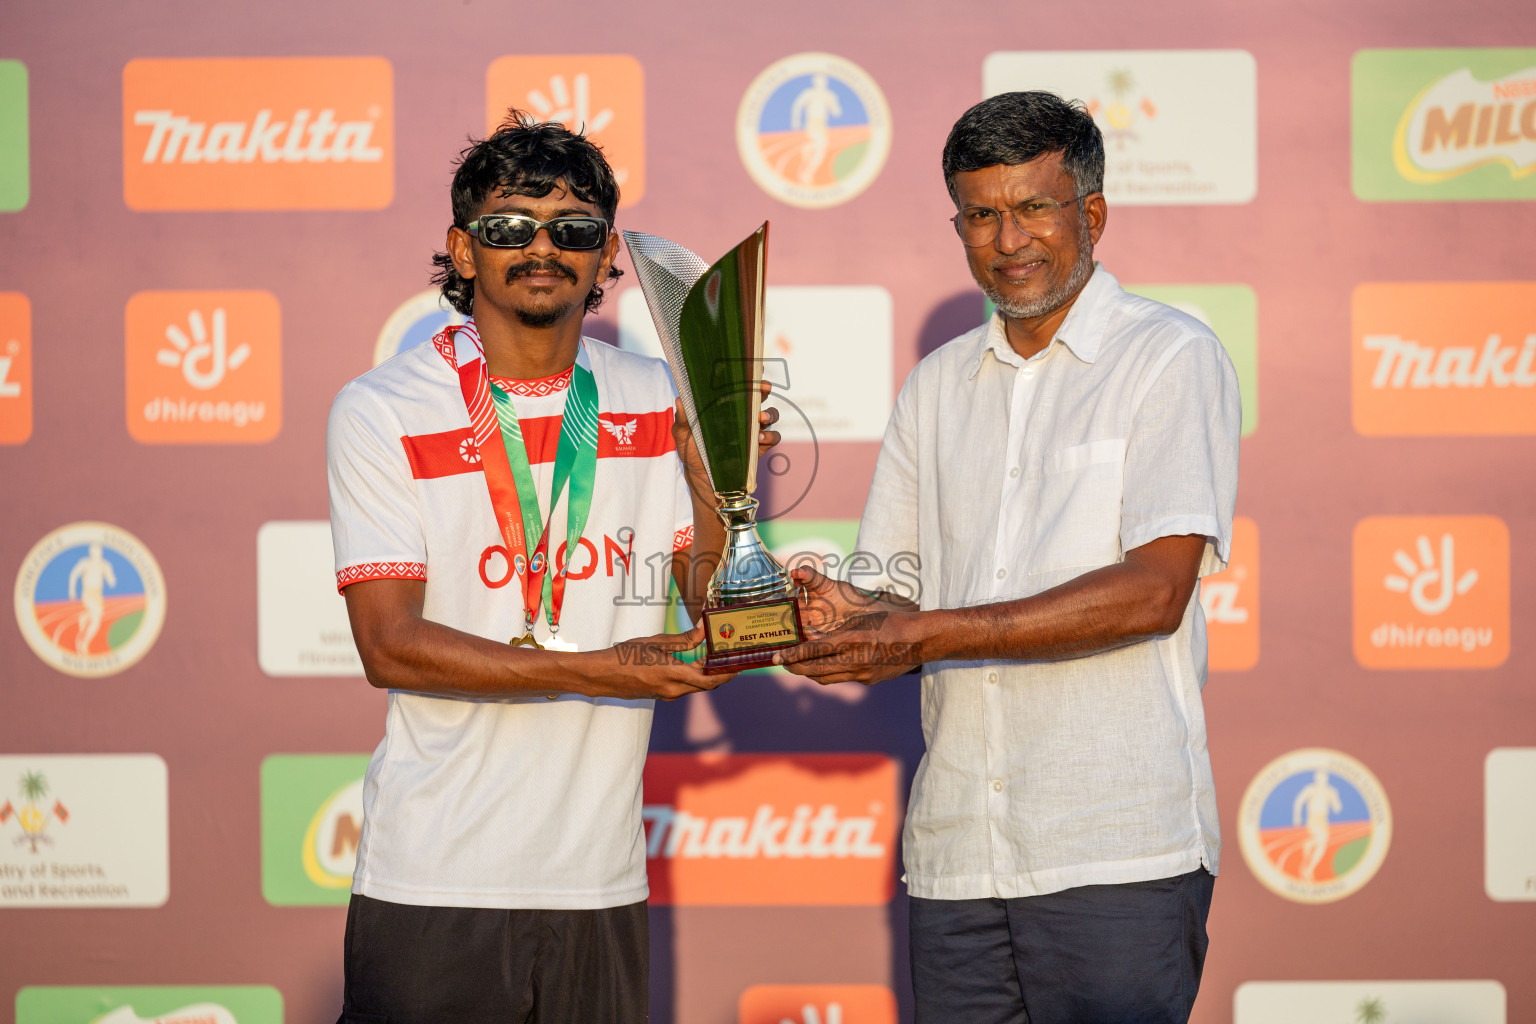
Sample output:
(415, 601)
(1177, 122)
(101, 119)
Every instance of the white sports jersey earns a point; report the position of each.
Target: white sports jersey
(523, 802)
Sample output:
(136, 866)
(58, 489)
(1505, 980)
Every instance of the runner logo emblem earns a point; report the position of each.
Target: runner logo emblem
(813, 130)
(727, 631)
(90, 599)
(1314, 825)
(415, 321)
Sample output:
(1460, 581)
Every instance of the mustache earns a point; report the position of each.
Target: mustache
(528, 268)
(1018, 260)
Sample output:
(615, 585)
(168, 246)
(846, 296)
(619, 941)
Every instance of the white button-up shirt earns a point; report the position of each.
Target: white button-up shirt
(1006, 477)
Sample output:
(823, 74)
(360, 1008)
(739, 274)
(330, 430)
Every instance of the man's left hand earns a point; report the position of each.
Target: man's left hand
(867, 644)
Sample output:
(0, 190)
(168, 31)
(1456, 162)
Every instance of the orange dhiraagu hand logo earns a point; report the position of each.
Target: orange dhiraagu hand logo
(817, 1004)
(281, 133)
(1230, 600)
(15, 368)
(601, 95)
(1431, 592)
(1445, 359)
(771, 829)
(204, 367)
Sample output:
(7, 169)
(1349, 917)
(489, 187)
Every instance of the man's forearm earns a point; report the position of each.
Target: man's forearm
(428, 657)
(1098, 611)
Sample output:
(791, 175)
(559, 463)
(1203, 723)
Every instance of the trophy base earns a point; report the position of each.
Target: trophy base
(744, 636)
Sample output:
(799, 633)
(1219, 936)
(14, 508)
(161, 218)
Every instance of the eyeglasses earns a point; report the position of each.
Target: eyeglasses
(515, 231)
(1038, 218)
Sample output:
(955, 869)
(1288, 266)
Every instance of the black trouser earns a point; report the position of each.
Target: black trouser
(1096, 954)
(458, 965)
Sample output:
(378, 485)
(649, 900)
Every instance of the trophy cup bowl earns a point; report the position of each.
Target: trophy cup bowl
(710, 319)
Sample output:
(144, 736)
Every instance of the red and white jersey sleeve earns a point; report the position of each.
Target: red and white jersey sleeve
(375, 518)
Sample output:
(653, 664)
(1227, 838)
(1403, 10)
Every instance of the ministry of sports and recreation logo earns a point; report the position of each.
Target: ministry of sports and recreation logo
(1314, 825)
(1509, 809)
(15, 172)
(240, 133)
(415, 321)
(813, 130)
(1156, 109)
(35, 810)
(204, 367)
(90, 599)
(1444, 358)
(311, 824)
(1431, 592)
(15, 368)
(150, 1004)
(599, 95)
(1369, 1002)
(816, 1004)
(1445, 124)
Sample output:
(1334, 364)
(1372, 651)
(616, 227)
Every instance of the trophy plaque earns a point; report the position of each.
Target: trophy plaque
(710, 319)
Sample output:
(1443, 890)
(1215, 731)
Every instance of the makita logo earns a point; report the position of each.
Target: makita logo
(805, 832)
(301, 137)
(1403, 363)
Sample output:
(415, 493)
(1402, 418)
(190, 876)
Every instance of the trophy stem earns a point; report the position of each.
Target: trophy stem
(747, 573)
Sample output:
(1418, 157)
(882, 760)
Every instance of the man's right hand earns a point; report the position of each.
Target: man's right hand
(827, 605)
(646, 668)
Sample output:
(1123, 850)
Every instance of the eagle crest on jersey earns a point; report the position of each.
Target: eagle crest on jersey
(624, 433)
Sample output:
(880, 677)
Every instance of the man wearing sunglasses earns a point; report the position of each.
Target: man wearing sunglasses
(1065, 473)
(501, 500)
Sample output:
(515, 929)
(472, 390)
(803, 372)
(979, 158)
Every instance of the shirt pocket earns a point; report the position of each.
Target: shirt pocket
(1078, 519)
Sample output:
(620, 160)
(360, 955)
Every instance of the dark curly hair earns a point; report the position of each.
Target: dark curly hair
(528, 158)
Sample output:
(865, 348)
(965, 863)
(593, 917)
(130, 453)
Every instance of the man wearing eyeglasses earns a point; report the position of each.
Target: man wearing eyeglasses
(1065, 474)
(499, 498)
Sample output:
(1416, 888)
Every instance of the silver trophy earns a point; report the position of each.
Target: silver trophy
(710, 319)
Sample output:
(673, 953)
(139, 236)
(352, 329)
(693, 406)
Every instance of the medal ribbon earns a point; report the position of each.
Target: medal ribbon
(509, 478)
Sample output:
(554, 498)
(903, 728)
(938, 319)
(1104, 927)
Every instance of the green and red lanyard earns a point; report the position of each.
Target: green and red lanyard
(509, 478)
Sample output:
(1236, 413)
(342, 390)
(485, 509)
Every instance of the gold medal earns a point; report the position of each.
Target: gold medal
(526, 640)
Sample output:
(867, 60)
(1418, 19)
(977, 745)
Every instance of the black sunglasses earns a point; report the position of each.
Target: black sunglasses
(515, 231)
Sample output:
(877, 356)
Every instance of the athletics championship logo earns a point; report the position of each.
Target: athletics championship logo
(1314, 825)
(813, 130)
(90, 599)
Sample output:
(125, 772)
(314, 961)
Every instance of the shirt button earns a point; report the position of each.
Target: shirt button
(1014, 472)
(1002, 574)
(992, 678)
(1027, 372)
(997, 785)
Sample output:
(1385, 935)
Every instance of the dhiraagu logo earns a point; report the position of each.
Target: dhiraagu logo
(311, 823)
(1444, 124)
(149, 1004)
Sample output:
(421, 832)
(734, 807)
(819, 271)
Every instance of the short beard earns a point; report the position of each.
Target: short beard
(543, 317)
(1058, 296)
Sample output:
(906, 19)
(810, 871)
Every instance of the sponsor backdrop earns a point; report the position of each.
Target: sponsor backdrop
(214, 218)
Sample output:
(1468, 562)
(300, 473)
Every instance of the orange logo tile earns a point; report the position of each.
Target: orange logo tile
(817, 1004)
(1431, 592)
(771, 829)
(15, 368)
(1444, 359)
(239, 133)
(603, 94)
(204, 367)
(1230, 600)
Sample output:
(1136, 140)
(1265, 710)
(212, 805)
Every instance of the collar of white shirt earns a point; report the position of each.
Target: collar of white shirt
(1082, 331)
